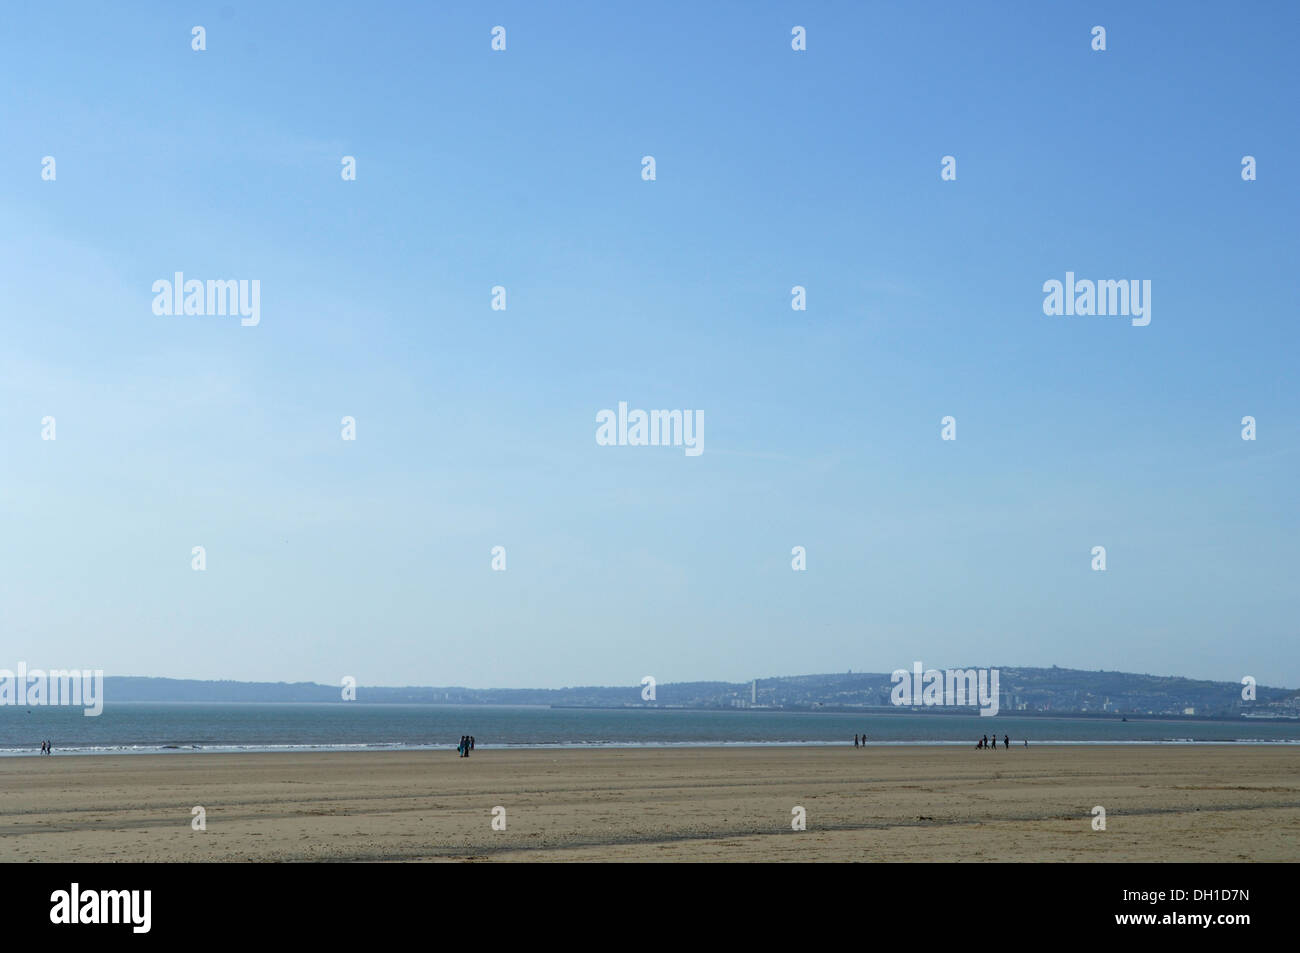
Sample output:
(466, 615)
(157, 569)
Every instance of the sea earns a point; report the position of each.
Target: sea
(197, 727)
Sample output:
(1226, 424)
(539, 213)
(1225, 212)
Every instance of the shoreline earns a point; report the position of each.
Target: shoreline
(395, 748)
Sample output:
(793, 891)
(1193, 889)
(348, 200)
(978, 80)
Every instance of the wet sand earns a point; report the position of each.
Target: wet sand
(1167, 803)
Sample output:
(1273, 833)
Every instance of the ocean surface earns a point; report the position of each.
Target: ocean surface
(154, 727)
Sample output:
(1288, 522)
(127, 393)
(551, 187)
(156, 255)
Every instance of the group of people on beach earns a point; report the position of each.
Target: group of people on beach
(466, 745)
(982, 743)
(1006, 742)
(47, 747)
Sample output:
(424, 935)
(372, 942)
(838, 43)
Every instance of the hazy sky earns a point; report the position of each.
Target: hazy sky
(476, 428)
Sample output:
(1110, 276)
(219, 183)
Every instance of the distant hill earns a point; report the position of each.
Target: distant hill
(1030, 690)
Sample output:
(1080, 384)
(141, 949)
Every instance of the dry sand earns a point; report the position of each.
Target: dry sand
(1219, 803)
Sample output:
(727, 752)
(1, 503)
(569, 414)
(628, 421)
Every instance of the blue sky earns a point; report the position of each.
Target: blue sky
(475, 427)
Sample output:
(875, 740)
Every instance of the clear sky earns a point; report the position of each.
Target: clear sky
(476, 428)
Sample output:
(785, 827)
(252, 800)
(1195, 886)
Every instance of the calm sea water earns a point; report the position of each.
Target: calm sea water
(174, 727)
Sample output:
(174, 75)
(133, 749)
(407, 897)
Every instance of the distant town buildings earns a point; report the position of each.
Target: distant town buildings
(1056, 690)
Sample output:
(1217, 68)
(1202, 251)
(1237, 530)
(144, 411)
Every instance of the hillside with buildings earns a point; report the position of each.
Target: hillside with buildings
(1031, 690)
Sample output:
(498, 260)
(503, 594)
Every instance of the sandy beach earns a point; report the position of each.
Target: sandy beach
(1204, 803)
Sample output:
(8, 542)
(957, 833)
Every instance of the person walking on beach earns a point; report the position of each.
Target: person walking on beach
(1006, 741)
(855, 741)
(42, 747)
(986, 741)
(471, 742)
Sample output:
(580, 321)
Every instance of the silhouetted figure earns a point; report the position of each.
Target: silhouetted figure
(1026, 742)
(986, 741)
(1006, 742)
(855, 741)
(471, 742)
